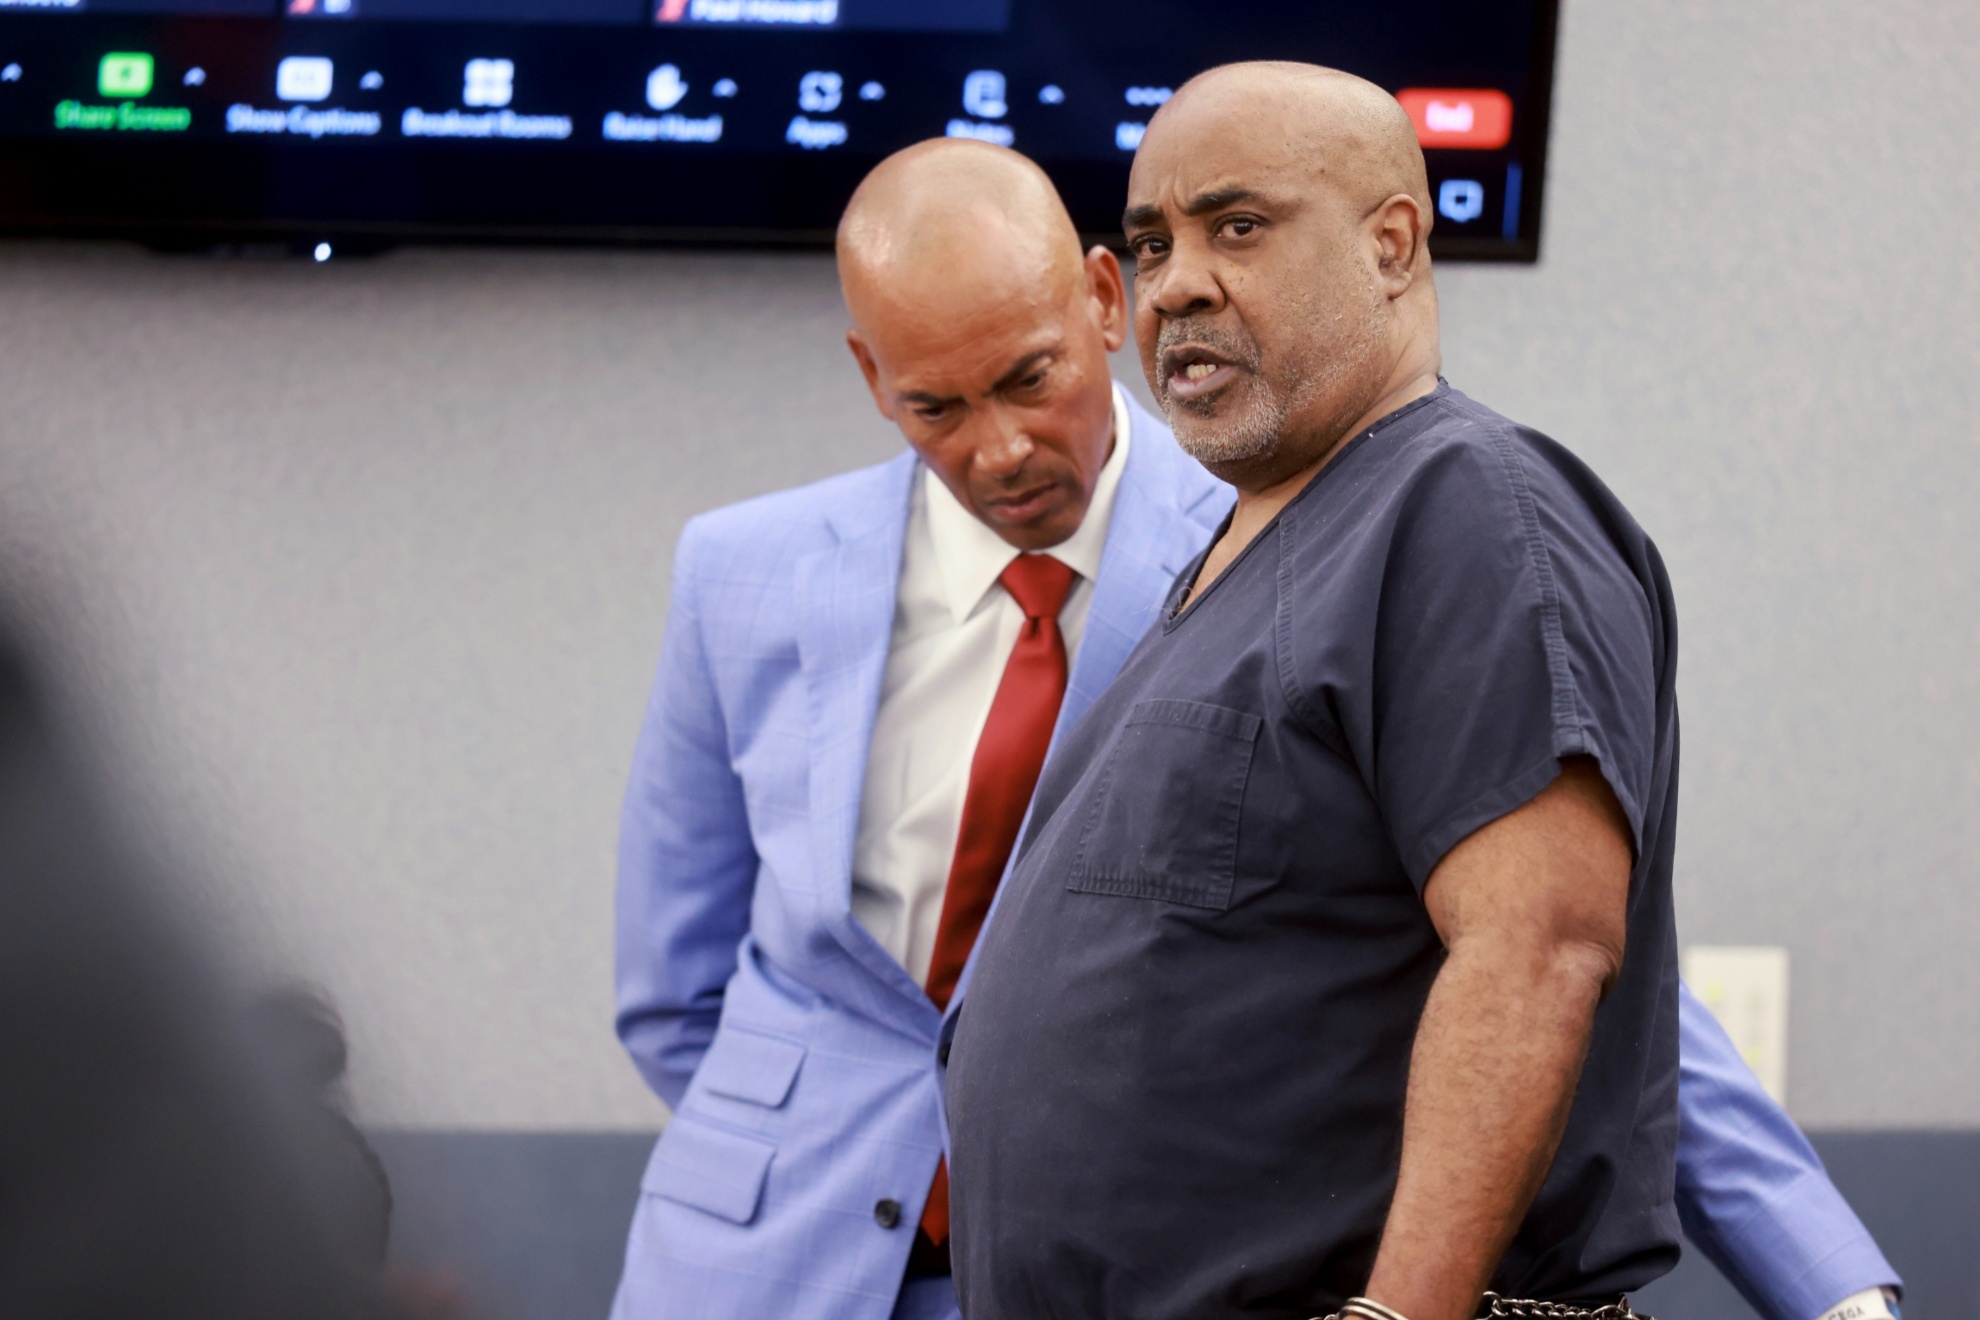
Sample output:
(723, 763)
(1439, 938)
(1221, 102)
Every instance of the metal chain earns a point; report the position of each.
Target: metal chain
(1504, 1308)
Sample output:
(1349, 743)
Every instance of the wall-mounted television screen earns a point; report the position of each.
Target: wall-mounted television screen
(189, 122)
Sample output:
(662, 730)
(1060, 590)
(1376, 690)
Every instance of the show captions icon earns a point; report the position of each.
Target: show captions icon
(304, 78)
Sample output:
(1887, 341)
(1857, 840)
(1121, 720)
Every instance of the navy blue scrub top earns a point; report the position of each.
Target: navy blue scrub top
(1176, 1087)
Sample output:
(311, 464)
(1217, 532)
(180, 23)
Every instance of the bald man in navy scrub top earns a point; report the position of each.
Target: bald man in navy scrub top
(1338, 970)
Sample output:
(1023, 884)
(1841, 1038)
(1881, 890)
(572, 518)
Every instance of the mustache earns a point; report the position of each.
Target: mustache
(1198, 332)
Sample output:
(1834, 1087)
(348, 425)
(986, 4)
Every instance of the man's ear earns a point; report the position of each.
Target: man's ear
(871, 370)
(1108, 290)
(1400, 232)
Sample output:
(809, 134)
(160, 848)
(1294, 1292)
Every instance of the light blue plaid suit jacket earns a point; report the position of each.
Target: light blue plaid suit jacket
(798, 1056)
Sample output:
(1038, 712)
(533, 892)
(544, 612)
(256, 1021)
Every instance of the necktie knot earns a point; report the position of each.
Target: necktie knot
(1039, 584)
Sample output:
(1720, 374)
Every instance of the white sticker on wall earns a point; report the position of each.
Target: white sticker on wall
(1746, 987)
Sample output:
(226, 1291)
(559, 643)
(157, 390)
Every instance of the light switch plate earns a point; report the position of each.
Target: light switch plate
(1746, 987)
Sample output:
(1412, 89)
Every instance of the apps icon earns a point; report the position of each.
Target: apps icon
(1461, 200)
(983, 94)
(489, 83)
(303, 78)
(124, 73)
(819, 93)
(664, 88)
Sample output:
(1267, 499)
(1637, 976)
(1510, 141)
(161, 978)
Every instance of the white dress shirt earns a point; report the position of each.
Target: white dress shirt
(954, 627)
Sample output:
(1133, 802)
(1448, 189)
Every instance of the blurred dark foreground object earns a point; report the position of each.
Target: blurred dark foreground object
(300, 1039)
(297, 1031)
(155, 1160)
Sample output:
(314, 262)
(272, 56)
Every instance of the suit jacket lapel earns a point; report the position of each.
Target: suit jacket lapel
(845, 623)
(845, 615)
(1149, 541)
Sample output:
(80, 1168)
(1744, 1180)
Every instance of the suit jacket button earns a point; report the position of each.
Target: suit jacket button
(887, 1213)
(942, 1054)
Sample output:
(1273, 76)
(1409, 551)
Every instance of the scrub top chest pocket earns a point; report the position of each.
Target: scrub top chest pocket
(1163, 823)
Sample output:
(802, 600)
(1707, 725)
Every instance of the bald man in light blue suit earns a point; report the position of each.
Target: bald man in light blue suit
(802, 1059)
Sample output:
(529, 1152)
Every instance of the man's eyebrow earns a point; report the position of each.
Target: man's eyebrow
(1024, 367)
(925, 399)
(1203, 203)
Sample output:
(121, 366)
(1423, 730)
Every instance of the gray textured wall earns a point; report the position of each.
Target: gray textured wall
(366, 563)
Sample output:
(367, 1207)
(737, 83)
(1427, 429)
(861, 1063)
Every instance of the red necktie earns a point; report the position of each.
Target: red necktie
(1002, 775)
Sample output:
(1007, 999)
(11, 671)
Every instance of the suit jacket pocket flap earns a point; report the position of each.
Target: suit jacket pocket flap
(746, 1065)
(709, 1169)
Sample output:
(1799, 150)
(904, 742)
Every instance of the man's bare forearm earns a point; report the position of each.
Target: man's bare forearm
(1492, 1078)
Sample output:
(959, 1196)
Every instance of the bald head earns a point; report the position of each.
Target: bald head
(1281, 216)
(952, 220)
(1354, 135)
(983, 331)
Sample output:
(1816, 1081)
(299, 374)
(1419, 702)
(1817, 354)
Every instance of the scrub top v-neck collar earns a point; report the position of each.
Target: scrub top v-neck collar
(1181, 604)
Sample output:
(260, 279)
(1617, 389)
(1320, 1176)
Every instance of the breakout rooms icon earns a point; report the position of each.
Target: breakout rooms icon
(489, 82)
(124, 74)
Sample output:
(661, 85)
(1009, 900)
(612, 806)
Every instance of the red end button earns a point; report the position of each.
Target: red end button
(1476, 118)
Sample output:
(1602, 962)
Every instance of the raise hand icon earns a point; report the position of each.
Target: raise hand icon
(664, 88)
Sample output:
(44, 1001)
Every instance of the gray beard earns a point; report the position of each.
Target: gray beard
(1254, 435)
(1261, 429)
(1236, 440)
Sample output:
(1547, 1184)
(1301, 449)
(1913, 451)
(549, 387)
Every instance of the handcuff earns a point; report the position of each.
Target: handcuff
(1870, 1304)
(1367, 1309)
(1496, 1308)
